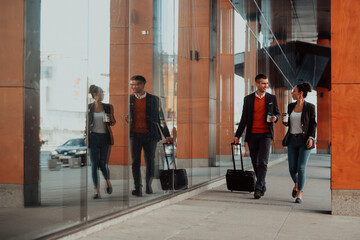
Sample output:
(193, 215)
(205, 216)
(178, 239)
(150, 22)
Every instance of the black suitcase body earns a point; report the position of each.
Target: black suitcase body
(173, 179)
(239, 180)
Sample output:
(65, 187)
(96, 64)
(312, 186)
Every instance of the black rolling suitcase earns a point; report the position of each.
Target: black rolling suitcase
(172, 179)
(239, 180)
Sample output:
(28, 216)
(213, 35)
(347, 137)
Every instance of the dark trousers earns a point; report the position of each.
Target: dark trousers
(138, 142)
(99, 149)
(259, 146)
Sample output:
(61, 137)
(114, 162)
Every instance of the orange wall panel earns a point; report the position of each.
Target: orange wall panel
(119, 35)
(185, 43)
(226, 137)
(345, 54)
(345, 166)
(185, 14)
(12, 135)
(11, 91)
(184, 110)
(141, 13)
(184, 78)
(200, 110)
(200, 78)
(184, 140)
(141, 35)
(120, 129)
(201, 12)
(119, 13)
(200, 140)
(119, 74)
(119, 155)
(11, 43)
(201, 41)
(141, 62)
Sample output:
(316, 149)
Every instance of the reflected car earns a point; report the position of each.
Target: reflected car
(72, 148)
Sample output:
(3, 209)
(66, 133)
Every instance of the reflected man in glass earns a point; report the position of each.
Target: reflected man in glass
(147, 125)
(100, 118)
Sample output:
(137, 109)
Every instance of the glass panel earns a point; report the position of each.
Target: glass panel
(153, 48)
(64, 64)
(107, 186)
(201, 127)
(183, 88)
(241, 55)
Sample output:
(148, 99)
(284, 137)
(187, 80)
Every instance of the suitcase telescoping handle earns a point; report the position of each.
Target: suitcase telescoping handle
(232, 153)
(166, 158)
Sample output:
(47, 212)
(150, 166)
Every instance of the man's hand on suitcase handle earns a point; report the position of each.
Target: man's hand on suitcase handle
(236, 140)
(168, 140)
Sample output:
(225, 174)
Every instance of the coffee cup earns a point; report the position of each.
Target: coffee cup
(285, 118)
(106, 118)
(269, 115)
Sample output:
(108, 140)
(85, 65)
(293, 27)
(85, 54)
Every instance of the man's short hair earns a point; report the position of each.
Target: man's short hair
(260, 76)
(138, 78)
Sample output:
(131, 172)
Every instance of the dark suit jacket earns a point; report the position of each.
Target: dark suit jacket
(308, 121)
(247, 116)
(108, 109)
(154, 116)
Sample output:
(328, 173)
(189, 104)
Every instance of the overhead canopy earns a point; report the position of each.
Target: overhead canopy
(310, 62)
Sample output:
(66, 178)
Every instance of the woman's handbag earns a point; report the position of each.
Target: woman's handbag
(285, 141)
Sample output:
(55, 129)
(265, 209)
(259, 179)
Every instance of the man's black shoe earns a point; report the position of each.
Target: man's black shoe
(149, 189)
(257, 195)
(264, 189)
(137, 192)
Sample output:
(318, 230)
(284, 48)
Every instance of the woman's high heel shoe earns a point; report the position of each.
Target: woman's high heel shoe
(109, 188)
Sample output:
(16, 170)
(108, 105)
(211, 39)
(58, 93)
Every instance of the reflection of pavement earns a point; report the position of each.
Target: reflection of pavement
(63, 193)
(221, 214)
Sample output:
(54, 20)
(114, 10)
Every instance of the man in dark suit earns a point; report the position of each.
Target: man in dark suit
(146, 122)
(260, 112)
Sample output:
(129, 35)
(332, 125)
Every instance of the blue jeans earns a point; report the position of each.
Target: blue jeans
(298, 156)
(99, 150)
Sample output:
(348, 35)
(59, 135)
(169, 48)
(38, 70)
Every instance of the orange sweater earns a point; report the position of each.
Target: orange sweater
(138, 124)
(259, 122)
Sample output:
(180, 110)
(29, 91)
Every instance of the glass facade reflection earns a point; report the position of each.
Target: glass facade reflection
(198, 57)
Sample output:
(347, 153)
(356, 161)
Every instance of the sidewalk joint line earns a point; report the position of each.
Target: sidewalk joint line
(282, 225)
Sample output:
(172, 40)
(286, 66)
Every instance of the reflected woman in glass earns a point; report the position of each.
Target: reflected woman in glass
(300, 137)
(100, 118)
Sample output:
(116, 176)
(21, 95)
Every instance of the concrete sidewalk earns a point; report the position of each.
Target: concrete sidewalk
(221, 214)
